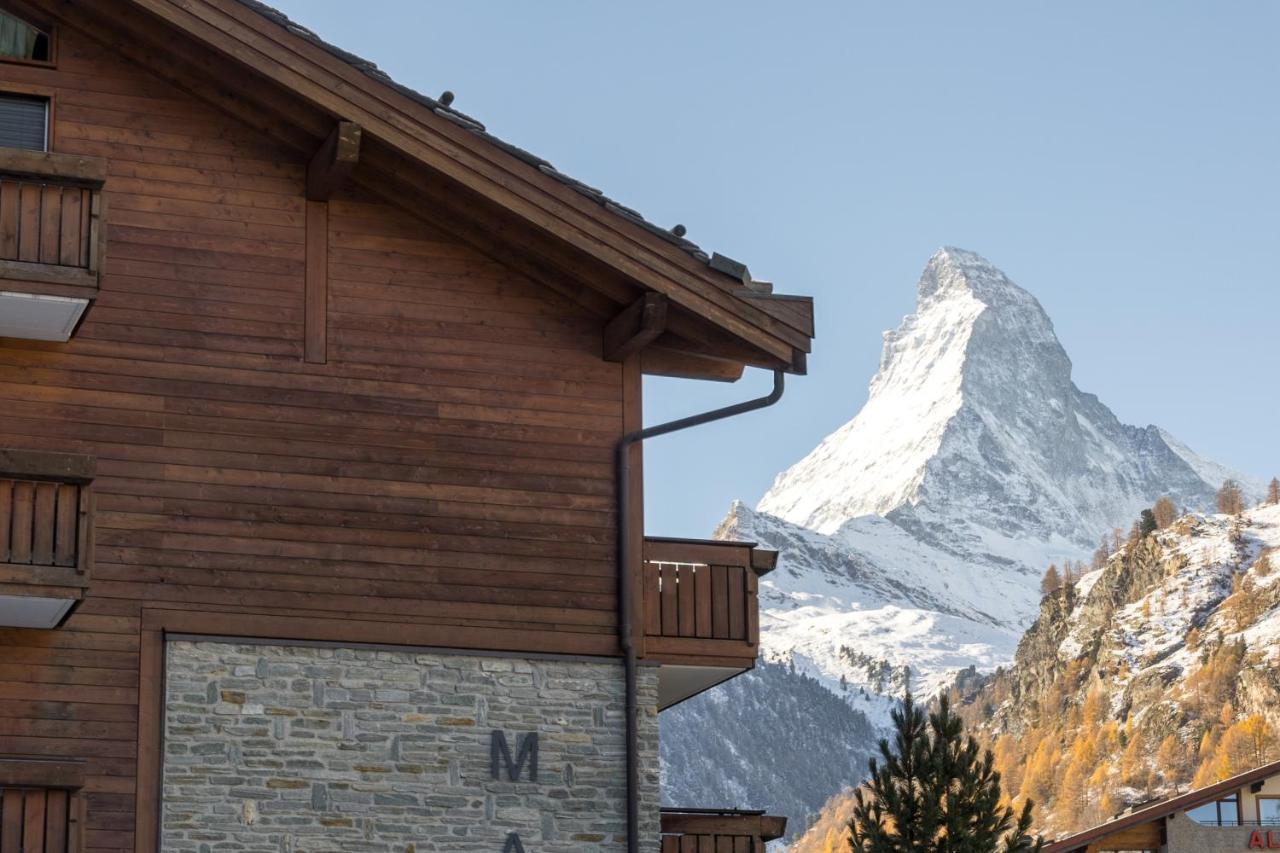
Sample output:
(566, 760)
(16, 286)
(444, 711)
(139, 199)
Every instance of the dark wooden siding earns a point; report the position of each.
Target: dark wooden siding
(449, 465)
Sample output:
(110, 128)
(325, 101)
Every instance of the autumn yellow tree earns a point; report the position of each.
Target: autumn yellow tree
(1051, 582)
(1246, 744)
(1165, 512)
(1230, 498)
(1174, 761)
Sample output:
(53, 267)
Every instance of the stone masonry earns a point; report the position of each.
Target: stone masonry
(286, 749)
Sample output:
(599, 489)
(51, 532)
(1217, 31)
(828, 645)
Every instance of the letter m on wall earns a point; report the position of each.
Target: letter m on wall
(526, 753)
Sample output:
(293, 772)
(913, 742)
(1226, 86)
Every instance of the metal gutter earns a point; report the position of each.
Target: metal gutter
(627, 571)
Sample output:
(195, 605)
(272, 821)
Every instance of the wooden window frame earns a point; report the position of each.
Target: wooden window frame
(51, 29)
(1257, 804)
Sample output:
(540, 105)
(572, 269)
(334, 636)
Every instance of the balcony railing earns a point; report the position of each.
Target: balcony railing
(45, 536)
(711, 831)
(51, 241)
(700, 601)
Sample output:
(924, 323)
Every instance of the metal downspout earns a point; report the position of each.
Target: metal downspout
(625, 562)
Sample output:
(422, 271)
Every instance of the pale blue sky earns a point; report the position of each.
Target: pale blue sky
(1117, 159)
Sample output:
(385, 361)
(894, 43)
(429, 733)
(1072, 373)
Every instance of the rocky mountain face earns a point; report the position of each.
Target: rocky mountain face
(770, 723)
(1155, 673)
(913, 538)
(1151, 675)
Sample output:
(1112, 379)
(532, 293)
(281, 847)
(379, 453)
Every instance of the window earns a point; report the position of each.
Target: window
(24, 122)
(22, 41)
(1224, 812)
(1269, 810)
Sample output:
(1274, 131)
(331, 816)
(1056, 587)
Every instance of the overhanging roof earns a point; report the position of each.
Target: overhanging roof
(565, 233)
(1164, 808)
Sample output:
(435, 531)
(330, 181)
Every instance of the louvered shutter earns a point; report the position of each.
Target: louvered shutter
(23, 122)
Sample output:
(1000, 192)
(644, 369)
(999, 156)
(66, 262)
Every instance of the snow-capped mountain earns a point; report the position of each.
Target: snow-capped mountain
(916, 534)
(914, 537)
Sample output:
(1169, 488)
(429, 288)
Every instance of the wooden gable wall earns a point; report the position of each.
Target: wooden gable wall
(444, 479)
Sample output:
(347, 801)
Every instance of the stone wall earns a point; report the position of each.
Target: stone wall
(283, 749)
(1187, 836)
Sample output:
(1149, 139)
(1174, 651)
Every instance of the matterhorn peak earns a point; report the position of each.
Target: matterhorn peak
(973, 421)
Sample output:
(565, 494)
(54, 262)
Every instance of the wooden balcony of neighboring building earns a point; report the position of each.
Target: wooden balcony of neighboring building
(701, 611)
(712, 831)
(46, 536)
(51, 241)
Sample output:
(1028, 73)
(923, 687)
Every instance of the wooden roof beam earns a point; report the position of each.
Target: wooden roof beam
(636, 327)
(331, 166)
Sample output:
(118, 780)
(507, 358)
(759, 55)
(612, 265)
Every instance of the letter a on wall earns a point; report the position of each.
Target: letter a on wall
(500, 756)
(513, 844)
(1256, 842)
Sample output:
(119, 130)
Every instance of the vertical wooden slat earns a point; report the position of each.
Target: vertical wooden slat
(75, 823)
(24, 494)
(719, 603)
(68, 515)
(10, 820)
(84, 531)
(29, 223)
(146, 817)
(737, 602)
(86, 215)
(316, 317)
(742, 844)
(6, 517)
(702, 601)
(753, 607)
(33, 807)
(670, 844)
(97, 245)
(652, 602)
(684, 577)
(50, 223)
(8, 219)
(55, 822)
(70, 237)
(706, 844)
(724, 844)
(688, 844)
(670, 627)
(43, 524)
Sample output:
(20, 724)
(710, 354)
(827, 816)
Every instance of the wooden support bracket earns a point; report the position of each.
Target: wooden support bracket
(636, 327)
(333, 162)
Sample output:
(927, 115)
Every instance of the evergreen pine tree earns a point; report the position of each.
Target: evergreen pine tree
(1147, 524)
(935, 792)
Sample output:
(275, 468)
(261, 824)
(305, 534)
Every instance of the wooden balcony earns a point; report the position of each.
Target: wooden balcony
(710, 831)
(51, 241)
(701, 613)
(45, 536)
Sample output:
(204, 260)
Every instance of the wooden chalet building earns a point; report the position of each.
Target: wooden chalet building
(1241, 813)
(320, 459)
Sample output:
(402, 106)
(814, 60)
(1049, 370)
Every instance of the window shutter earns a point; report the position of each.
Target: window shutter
(23, 122)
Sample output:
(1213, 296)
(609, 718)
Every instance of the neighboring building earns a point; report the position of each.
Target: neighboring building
(320, 482)
(1240, 813)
